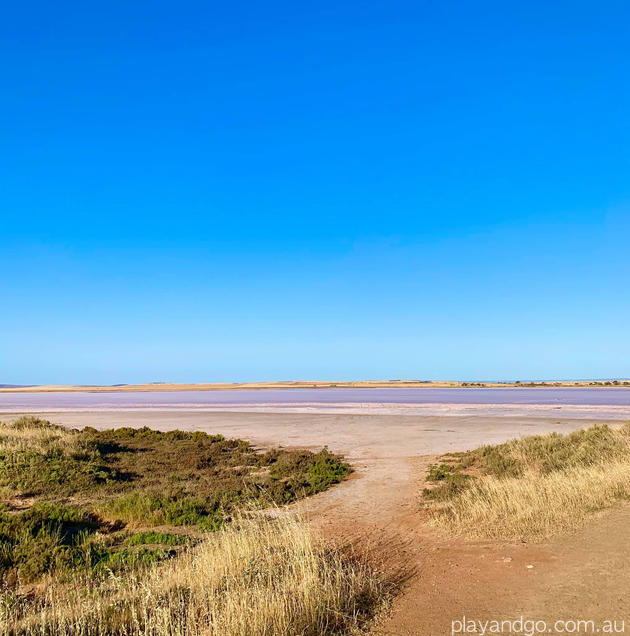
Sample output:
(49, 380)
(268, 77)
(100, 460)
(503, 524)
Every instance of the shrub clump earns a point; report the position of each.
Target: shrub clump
(60, 539)
(138, 477)
(156, 510)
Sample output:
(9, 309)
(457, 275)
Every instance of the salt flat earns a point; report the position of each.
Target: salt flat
(567, 403)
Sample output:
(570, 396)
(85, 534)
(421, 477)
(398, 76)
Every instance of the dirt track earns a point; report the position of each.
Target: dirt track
(584, 576)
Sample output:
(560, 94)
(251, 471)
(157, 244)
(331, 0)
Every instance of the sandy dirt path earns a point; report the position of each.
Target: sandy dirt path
(584, 576)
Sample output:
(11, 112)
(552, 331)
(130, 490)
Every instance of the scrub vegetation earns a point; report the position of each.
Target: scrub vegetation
(136, 531)
(254, 576)
(530, 488)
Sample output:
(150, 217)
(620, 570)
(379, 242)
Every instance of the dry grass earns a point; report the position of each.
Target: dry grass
(535, 506)
(533, 488)
(33, 434)
(264, 577)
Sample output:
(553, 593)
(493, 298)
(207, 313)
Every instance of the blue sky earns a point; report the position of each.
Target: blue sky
(337, 190)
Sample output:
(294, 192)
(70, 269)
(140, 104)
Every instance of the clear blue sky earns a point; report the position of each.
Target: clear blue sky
(202, 191)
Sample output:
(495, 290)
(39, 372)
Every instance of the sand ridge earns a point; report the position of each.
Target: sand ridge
(307, 384)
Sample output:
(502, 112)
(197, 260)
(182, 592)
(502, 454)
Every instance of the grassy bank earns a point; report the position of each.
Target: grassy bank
(252, 577)
(136, 531)
(530, 488)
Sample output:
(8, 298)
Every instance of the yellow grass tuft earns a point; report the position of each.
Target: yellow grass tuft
(535, 506)
(536, 486)
(263, 577)
(33, 434)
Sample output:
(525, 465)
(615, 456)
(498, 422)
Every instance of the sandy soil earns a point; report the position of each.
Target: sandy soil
(583, 576)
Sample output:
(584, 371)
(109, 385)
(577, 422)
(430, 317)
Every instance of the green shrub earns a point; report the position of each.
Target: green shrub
(126, 558)
(449, 486)
(296, 474)
(437, 472)
(151, 537)
(43, 538)
(155, 510)
(34, 473)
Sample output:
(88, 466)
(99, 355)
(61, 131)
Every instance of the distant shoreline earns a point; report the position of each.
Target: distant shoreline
(362, 384)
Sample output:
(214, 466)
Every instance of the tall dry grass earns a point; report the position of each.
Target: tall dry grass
(542, 486)
(535, 506)
(33, 434)
(262, 577)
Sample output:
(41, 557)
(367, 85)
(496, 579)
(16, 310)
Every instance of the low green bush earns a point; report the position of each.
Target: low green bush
(156, 510)
(151, 537)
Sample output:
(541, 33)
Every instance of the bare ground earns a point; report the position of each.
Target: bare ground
(582, 576)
